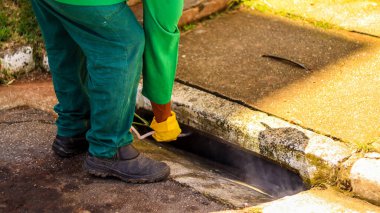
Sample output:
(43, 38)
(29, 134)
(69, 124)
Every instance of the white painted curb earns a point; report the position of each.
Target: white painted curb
(19, 61)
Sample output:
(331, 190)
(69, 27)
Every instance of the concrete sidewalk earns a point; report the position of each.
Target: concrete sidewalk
(354, 15)
(314, 121)
(338, 96)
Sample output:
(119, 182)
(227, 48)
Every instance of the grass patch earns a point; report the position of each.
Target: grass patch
(5, 77)
(19, 27)
(18, 24)
(27, 26)
(5, 32)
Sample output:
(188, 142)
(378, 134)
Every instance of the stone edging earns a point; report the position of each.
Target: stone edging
(317, 158)
(18, 60)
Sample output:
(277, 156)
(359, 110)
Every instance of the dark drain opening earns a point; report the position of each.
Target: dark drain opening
(244, 165)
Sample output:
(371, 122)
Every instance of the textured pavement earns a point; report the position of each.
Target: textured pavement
(33, 179)
(339, 96)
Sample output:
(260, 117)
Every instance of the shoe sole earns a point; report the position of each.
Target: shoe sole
(100, 172)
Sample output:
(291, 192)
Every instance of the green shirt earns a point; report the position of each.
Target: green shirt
(90, 2)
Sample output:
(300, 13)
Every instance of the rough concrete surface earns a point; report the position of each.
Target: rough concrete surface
(33, 179)
(313, 201)
(338, 96)
(365, 177)
(315, 157)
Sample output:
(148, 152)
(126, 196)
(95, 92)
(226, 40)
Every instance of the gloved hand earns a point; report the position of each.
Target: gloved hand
(166, 131)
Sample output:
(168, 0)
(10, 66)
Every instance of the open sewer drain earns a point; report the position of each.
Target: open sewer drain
(244, 165)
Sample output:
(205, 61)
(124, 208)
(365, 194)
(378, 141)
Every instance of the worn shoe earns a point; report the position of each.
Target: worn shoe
(69, 146)
(128, 165)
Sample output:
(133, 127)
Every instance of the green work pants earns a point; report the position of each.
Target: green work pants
(161, 48)
(95, 57)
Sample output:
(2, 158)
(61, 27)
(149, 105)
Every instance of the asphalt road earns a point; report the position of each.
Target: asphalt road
(33, 179)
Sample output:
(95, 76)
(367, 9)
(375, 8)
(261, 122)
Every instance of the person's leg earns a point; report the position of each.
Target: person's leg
(113, 43)
(160, 63)
(161, 49)
(67, 66)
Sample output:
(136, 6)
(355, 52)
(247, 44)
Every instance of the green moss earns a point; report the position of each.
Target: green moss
(324, 173)
(5, 34)
(324, 25)
(364, 147)
(5, 77)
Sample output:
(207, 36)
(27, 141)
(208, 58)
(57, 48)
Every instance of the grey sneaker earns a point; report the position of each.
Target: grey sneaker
(128, 165)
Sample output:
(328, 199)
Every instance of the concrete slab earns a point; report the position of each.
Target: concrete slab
(337, 97)
(314, 201)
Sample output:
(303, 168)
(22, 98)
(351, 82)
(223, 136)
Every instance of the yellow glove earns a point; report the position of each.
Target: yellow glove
(166, 131)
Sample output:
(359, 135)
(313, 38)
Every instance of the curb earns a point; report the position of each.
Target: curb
(318, 159)
(365, 178)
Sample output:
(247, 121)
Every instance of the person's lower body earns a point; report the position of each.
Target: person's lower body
(95, 57)
(160, 63)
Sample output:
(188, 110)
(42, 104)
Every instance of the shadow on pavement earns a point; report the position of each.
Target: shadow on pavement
(225, 54)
